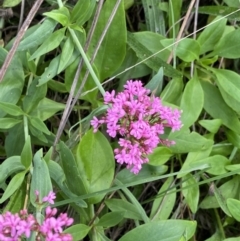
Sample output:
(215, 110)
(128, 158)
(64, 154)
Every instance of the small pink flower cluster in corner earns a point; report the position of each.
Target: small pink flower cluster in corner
(139, 120)
(16, 226)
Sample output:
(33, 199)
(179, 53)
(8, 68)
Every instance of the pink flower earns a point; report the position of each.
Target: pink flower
(14, 227)
(52, 227)
(109, 97)
(95, 124)
(138, 120)
(50, 197)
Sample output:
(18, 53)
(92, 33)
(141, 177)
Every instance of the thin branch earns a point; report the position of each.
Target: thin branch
(21, 14)
(182, 29)
(19, 36)
(195, 32)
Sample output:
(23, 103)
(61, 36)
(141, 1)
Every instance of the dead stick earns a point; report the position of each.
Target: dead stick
(182, 28)
(19, 36)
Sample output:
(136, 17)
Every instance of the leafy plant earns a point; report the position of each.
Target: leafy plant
(137, 68)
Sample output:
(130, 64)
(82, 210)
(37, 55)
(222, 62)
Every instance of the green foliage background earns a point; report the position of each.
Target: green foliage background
(72, 53)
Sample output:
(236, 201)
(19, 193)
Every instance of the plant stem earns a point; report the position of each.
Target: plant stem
(60, 3)
(234, 151)
(25, 127)
(84, 56)
(93, 231)
(219, 223)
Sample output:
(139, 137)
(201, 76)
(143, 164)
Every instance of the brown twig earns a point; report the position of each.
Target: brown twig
(19, 36)
(181, 29)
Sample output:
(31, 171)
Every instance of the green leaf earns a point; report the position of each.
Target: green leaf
(46, 109)
(232, 239)
(192, 193)
(57, 174)
(38, 134)
(78, 231)
(39, 125)
(230, 12)
(57, 86)
(210, 36)
(229, 189)
(52, 42)
(229, 86)
(88, 86)
(13, 81)
(82, 11)
(232, 3)
(43, 185)
(128, 4)
(127, 208)
(95, 163)
(160, 156)
(111, 219)
(26, 155)
(147, 171)
(192, 157)
(17, 199)
(135, 72)
(14, 184)
(9, 166)
(217, 236)
(211, 125)
(10, 3)
(167, 230)
(146, 37)
(189, 142)
(216, 107)
(221, 201)
(7, 123)
(233, 167)
(113, 48)
(70, 168)
(66, 54)
(233, 137)
(174, 13)
(234, 208)
(229, 46)
(155, 84)
(163, 206)
(222, 148)
(144, 53)
(60, 15)
(154, 17)
(52, 70)
(34, 95)
(191, 102)
(11, 109)
(187, 49)
(173, 91)
(14, 141)
(38, 36)
(217, 164)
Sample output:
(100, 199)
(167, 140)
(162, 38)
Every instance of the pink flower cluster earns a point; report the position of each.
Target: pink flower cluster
(138, 120)
(16, 226)
(52, 227)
